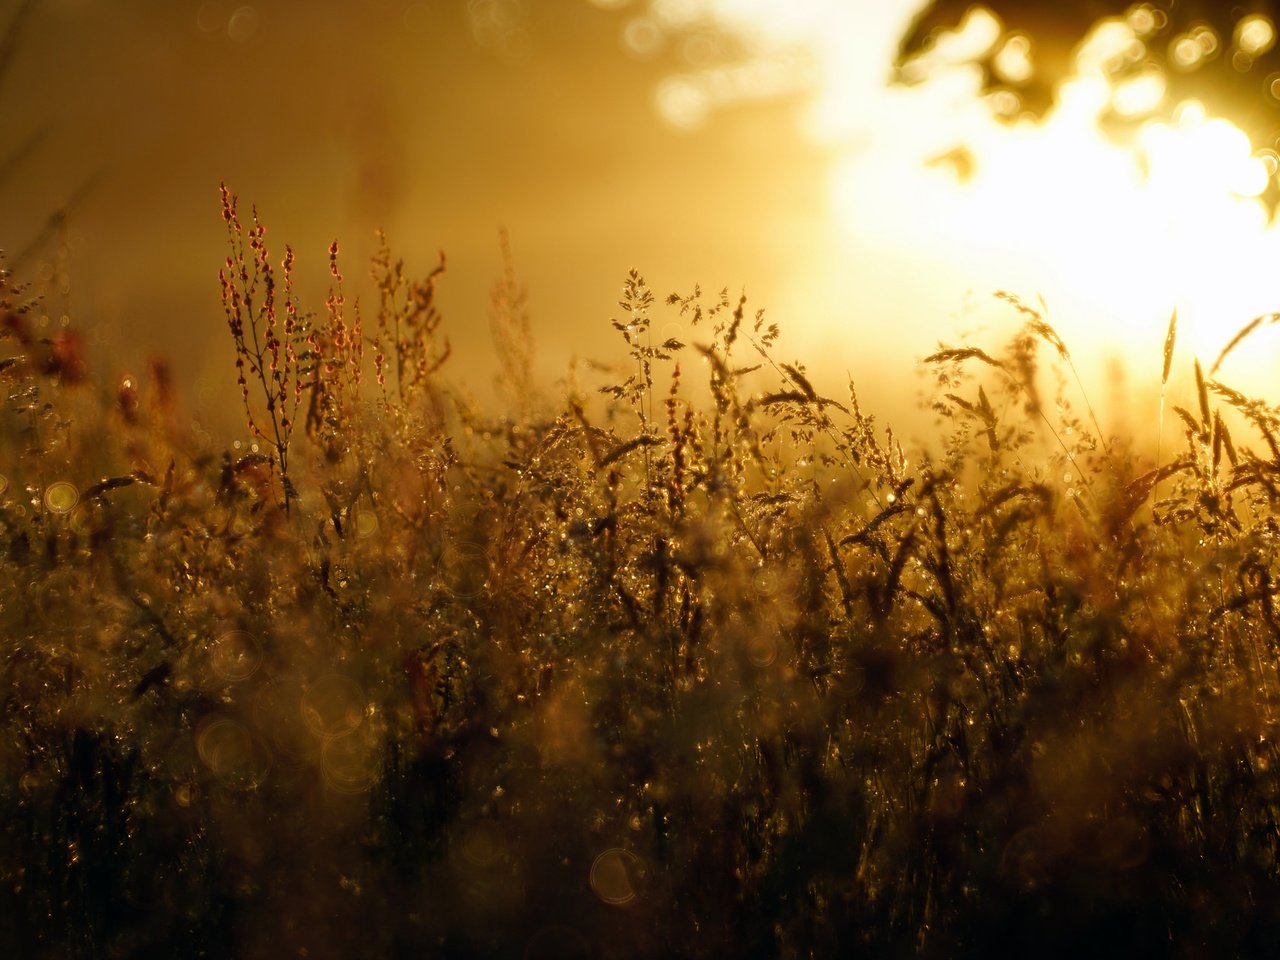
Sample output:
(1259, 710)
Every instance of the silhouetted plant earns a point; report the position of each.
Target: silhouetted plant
(704, 663)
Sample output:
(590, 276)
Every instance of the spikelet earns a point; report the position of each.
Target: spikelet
(963, 353)
(1222, 441)
(1244, 331)
(622, 449)
(1203, 395)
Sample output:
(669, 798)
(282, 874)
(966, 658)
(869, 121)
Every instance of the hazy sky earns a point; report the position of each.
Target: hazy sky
(742, 143)
(337, 118)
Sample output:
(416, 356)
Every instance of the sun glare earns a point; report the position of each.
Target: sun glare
(1116, 235)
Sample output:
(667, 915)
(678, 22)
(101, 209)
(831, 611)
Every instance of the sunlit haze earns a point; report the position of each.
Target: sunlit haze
(751, 144)
(638, 479)
(1113, 235)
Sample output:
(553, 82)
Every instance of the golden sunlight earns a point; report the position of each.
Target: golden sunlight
(1109, 232)
(1113, 234)
(639, 479)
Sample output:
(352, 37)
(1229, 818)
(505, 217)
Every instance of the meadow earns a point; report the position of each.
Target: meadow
(683, 658)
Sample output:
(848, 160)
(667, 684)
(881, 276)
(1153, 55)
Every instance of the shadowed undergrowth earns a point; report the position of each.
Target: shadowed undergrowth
(689, 659)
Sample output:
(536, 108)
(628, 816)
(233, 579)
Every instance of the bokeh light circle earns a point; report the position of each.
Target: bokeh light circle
(350, 762)
(466, 569)
(235, 655)
(762, 650)
(243, 25)
(616, 876)
(366, 524)
(61, 497)
(332, 705)
(236, 757)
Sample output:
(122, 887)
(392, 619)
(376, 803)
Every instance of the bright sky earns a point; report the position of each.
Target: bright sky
(739, 143)
(1056, 210)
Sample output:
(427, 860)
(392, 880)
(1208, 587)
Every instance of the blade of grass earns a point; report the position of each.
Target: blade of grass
(1170, 339)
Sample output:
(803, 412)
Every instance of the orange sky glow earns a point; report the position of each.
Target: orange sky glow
(753, 144)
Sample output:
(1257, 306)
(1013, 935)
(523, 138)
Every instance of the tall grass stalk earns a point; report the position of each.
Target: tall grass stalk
(757, 680)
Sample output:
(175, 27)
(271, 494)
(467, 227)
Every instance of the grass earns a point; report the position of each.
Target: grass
(691, 661)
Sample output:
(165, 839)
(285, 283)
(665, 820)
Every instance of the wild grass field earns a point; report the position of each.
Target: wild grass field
(683, 659)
